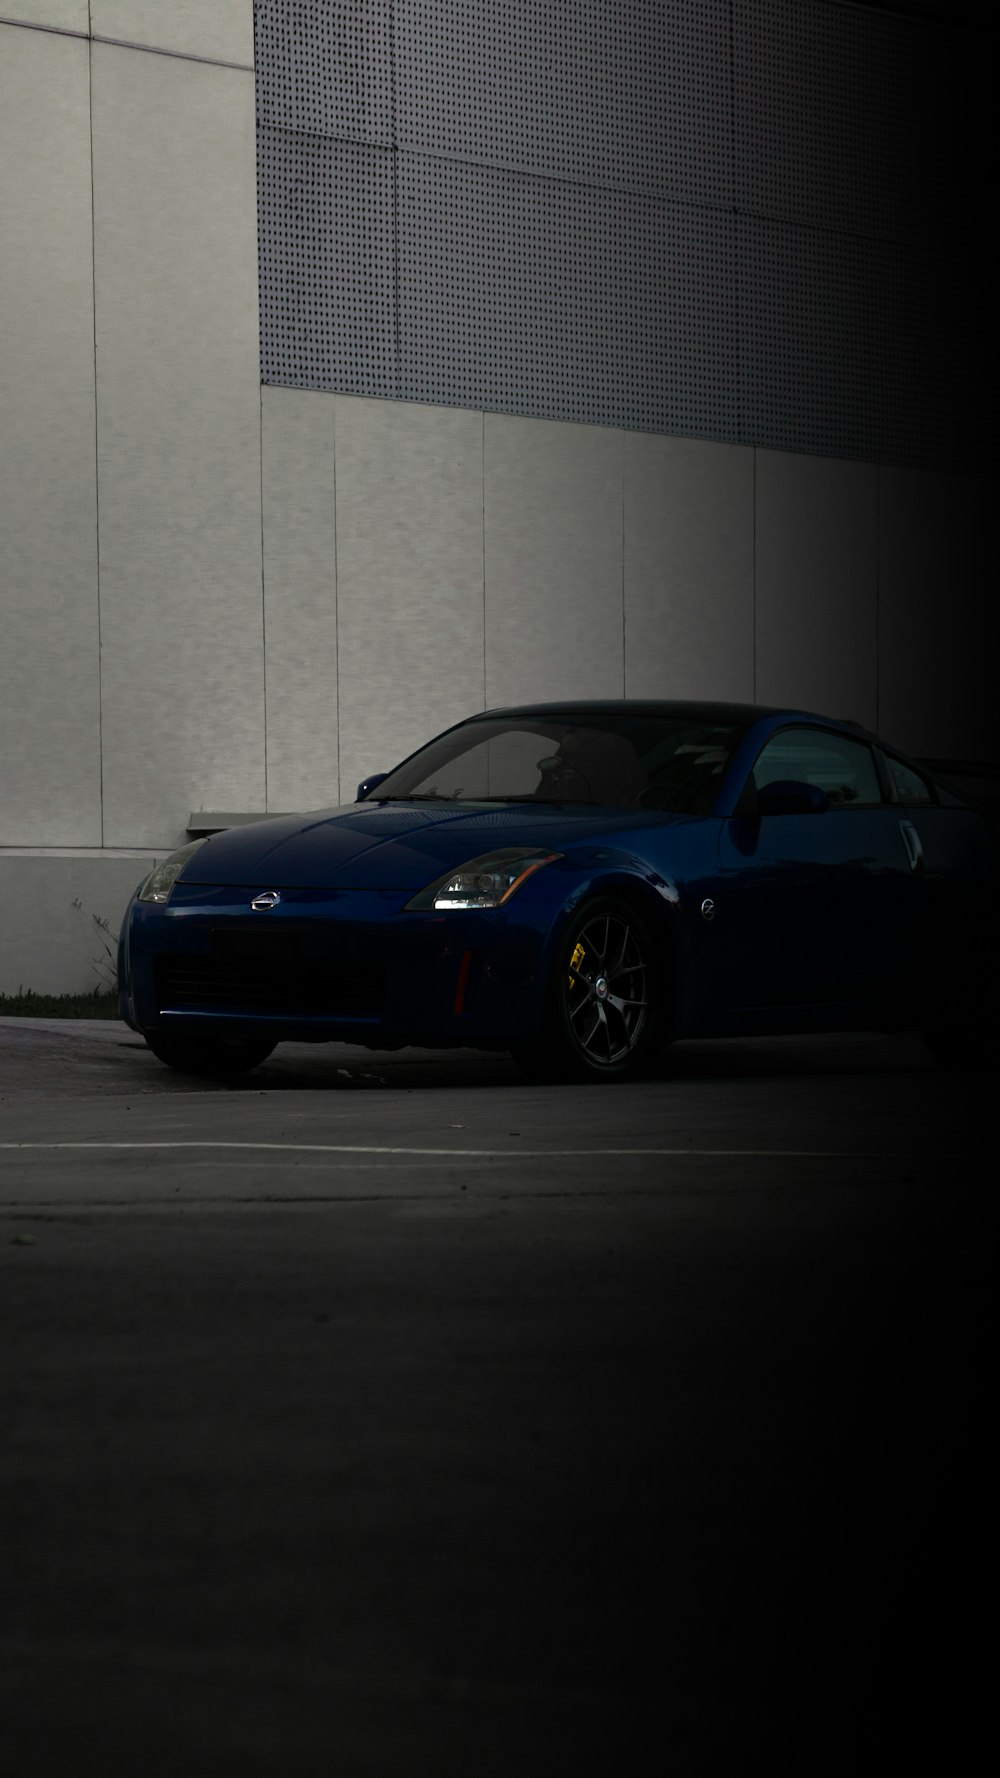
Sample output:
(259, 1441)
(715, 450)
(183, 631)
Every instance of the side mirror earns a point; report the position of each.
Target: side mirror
(789, 796)
(367, 785)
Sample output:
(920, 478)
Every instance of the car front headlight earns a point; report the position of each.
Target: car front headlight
(485, 882)
(162, 877)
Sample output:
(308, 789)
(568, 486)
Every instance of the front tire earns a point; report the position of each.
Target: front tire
(604, 998)
(208, 1055)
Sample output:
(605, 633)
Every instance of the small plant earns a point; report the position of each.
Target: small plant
(105, 964)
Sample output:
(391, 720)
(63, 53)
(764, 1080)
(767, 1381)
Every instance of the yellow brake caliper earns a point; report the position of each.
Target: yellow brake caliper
(576, 962)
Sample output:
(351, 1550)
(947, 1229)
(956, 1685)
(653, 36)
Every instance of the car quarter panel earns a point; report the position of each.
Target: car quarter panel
(956, 893)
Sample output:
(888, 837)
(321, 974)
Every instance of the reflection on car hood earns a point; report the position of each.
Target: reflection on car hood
(393, 845)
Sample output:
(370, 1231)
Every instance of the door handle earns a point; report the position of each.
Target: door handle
(911, 840)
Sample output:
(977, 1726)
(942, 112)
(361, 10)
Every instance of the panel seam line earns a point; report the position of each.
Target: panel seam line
(260, 437)
(724, 206)
(149, 49)
(754, 575)
(263, 585)
(622, 460)
(397, 376)
(483, 488)
(741, 430)
(878, 591)
(336, 598)
(97, 475)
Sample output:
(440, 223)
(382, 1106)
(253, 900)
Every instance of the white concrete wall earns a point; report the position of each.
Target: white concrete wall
(220, 30)
(938, 634)
(217, 596)
(60, 911)
(409, 577)
(58, 15)
(131, 664)
(178, 435)
(50, 781)
(553, 541)
(688, 568)
(816, 581)
(299, 484)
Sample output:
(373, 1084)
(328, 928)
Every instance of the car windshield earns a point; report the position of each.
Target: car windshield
(606, 759)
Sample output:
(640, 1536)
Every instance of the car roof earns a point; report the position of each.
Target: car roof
(699, 710)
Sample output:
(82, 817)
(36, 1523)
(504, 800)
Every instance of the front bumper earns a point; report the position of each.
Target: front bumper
(350, 965)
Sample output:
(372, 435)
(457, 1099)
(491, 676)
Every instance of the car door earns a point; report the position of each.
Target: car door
(813, 908)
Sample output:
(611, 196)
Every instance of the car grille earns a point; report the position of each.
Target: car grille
(276, 983)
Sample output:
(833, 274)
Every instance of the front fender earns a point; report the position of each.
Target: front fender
(608, 871)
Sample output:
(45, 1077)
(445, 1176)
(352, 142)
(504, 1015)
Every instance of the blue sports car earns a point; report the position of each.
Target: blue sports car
(579, 883)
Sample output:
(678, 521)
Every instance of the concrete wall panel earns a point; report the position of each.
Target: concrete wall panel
(816, 584)
(300, 597)
(688, 568)
(553, 542)
(60, 912)
(409, 577)
(178, 442)
(49, 671)
(221, 30)
(938, 627)
(60, 15)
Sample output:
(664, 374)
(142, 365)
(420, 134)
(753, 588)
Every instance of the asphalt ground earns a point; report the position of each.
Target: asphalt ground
(387, 1416)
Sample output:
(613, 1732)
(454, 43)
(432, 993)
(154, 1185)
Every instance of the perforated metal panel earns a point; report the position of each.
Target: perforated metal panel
(327, 263)
(532, 297)
(633, 96)
(324, 66)
(723, 218)
(326, 195)
(842, 117)
(837, 357)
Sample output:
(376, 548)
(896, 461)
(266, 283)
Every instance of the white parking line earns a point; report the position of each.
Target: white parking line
(505, 1154)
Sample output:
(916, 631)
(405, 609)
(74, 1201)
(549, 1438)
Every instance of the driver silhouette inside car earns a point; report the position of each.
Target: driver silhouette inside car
(592, 766)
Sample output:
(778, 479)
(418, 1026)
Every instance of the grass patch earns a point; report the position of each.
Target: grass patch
(99, 1003)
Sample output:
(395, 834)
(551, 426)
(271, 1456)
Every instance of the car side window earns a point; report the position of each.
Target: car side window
(845, 769)
(907, 784)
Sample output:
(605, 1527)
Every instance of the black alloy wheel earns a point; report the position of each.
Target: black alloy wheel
(206, 1055)
(604, 998)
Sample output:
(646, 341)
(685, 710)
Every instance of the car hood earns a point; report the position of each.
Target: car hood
(394, 845)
